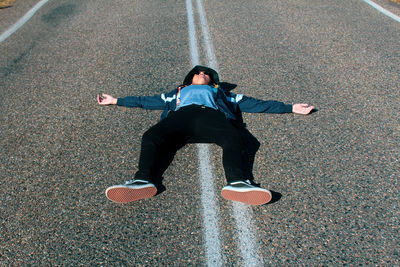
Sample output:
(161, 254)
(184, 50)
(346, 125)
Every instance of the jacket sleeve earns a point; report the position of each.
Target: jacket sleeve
(157, 102)
(254, 105)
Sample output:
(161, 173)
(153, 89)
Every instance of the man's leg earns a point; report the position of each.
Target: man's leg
(165, 157)
(215, 128)
(163, 135)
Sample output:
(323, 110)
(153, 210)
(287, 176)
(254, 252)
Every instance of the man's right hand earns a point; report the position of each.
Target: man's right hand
(105, 99)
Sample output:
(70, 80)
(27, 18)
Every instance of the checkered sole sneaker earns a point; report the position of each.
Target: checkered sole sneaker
(244, 192)
(131, 191)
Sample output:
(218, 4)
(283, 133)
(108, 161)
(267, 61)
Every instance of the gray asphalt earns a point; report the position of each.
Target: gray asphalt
(335, 173)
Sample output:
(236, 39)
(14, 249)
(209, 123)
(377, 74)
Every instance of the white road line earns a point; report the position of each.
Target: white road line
(382, 10)
(209, 206)
(22, 21)
(211, 58)
(247, 234)
(192, 34)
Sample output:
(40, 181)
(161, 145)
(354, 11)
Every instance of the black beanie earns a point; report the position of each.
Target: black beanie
(189, 77)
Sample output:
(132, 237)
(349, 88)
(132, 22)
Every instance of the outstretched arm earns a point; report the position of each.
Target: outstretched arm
(155, 102)
(303, 109)
(253, 105)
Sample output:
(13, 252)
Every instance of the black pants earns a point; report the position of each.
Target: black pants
(192, 124)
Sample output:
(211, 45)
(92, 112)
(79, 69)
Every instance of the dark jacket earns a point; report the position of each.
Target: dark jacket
(229, 103)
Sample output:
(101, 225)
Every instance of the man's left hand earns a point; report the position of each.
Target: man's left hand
(303, 109)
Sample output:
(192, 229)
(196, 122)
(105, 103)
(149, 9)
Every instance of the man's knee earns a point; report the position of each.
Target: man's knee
(231, 140)
(151, 136)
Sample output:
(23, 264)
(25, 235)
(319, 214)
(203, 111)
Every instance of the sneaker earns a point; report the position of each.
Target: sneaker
(131, 191)
(244, 191)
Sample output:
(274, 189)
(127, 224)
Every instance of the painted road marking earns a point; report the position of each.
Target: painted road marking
(211, 58)
(247, 235)
(382, 10)
(192, 34)
(242, 213)
(22, 21)
(210, 208)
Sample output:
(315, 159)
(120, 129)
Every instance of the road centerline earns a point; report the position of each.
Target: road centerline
(210, 208)
(247, 235)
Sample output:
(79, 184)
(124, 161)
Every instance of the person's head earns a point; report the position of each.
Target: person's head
(201, 75)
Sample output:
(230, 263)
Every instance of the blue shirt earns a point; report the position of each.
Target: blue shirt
(198, 95)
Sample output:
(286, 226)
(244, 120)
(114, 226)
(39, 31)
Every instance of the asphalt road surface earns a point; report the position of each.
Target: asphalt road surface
(334, 173)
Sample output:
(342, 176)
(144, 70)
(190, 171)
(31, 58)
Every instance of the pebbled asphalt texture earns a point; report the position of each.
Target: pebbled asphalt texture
(334, 173)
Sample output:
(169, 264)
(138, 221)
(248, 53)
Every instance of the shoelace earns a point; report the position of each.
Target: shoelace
(244, 182)
(135, 180)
